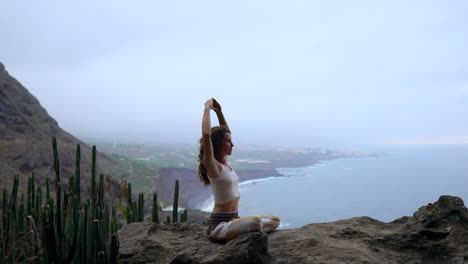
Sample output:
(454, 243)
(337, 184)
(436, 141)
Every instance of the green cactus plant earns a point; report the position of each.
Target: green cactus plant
(38, 204)
(56, 161)
(61, 227)
(93, 174)
(47, 189)
(101, 190)
(141, 212)
(130, 212)
(77, 182)
(129, 194)
(21, 219)
(185, 214)
(175, 205)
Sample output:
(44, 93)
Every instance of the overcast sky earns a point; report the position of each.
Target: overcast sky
(315, 73)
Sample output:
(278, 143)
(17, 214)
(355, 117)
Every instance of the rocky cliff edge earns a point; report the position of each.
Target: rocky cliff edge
(436, 233)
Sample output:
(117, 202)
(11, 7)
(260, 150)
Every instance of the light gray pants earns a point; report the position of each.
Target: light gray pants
(227, 226)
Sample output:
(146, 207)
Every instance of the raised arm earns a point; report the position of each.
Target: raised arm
(209, 160)
(219, 113)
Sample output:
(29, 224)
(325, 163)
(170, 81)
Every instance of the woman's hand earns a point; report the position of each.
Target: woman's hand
(209, 104)
(213, 104)
(216, 106)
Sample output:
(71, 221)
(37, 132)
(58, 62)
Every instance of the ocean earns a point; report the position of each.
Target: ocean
(384, 188)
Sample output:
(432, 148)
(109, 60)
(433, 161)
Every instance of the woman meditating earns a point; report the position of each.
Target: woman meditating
(214, 169)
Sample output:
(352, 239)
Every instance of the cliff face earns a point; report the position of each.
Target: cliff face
(26, 130)
(436, 233)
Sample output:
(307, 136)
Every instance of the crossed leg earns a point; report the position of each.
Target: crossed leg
(234, 228)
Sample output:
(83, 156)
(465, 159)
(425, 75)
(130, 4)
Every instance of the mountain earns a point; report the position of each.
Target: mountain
(26, 131)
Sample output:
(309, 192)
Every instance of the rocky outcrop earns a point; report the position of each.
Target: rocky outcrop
(436, 233)
(187, 243)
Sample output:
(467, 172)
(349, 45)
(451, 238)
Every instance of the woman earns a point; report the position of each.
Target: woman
(214, 169)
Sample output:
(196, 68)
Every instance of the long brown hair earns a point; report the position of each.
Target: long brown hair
(217, 136)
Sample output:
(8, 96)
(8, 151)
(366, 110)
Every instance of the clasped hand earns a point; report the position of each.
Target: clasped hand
(213, 104)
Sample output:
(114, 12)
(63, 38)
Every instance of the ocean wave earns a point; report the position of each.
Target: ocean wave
(258, 180)
(207, 206)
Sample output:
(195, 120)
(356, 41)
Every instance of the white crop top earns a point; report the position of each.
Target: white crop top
(226, 186)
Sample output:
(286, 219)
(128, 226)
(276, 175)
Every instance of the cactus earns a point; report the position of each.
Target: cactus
(155, 211)
(29, 198)
(129, 194)
(114, 249)
(93, 174)
(21, 216)
(33, 189)
(130, 212)
(37, 206)
(185, 215)
(60, 247)
(141, 213)
(77, 182)
(4, 211)
(101, 189)
(11, 224)
(175, 205)
(47, 189)
(56, 161)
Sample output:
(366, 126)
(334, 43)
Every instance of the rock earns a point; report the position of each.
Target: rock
(436, 233)
(148, 242)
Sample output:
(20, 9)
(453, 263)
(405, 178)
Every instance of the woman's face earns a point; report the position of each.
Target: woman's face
(225, 148)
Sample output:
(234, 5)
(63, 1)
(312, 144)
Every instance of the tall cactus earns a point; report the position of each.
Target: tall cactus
(47, 189)
(33, 190)
(21, 225)
(29, 198)
(56, 161)
(77, 182)
(185, 215)
(129, 193)
(130, 212)
(60, 242)
(101, 190)
(141, 213)
(4, 211)
(175, 205)
(11, 217)
(93, 174)
(38, 204)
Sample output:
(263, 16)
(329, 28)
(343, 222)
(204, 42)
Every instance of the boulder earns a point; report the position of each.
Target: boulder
(436, 233)
(179, 243)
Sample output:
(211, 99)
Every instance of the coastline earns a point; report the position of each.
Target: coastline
(193, 194)
(251, 176)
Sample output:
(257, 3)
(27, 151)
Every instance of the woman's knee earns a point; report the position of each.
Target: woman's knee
(257, 223)
(270, 222)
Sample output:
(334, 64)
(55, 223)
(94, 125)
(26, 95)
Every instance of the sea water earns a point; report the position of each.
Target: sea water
(384, 188)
